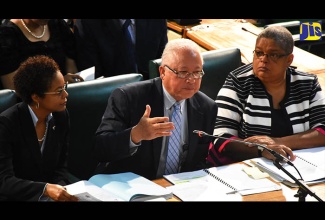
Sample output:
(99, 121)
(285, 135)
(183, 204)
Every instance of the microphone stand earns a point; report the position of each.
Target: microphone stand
(303, 190)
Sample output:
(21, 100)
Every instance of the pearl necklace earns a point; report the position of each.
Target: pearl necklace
(38, 37)
(42, 139)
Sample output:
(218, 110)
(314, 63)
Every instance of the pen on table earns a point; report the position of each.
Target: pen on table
(232, 192)
(240, 190)
(236, 191)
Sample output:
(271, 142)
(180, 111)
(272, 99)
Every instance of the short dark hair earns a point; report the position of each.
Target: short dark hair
(34, 76)
(281, 35)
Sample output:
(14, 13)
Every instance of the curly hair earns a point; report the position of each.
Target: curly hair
(35, 76)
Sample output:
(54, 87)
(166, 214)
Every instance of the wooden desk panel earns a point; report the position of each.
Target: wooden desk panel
(224, 33)
(182, 29)
(175, 27)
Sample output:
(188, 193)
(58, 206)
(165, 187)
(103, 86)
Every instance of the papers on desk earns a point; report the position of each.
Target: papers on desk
(224, 183)
(126, 186)
(202, 191)
(309, 162)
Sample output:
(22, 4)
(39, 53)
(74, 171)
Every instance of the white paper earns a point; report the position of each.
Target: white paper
(235, 176)
(86, 191)
(129, 186)
(200, 186)
(310, 173)
(202, 191)
(87, 74)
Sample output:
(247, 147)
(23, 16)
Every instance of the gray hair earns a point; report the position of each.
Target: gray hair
(281, 36)
(173, 47)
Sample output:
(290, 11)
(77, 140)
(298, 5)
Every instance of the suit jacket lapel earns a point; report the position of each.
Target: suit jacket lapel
(51, 141)
(157, 110)
(113, 24)
(29, 133)
(194, 118)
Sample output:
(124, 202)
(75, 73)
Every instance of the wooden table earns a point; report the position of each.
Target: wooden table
(286, 194)
(181, 29)
(224, 33)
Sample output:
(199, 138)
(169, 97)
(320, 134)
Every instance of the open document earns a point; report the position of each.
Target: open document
(309, 162)
(126, 186)
(224, 183)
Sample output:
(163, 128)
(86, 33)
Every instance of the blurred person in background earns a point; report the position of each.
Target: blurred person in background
(101, 43)
(23, 38)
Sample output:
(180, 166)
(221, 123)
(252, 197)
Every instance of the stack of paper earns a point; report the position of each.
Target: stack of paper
(224, 183)
(309, 166)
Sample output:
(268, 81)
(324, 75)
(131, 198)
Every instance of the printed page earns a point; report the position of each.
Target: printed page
(232, 174)
(184, 177)
(309, 172)
(235, 176)
(129, 186)
(199, 186)
(315, 156)
(86, 191)
(201, 190)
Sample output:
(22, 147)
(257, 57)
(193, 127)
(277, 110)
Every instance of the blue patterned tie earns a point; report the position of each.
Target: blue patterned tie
(174, 142)
(129, 46)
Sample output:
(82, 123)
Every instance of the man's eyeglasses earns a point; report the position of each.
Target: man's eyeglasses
(186, 75)
(59, 92)
(273, 56)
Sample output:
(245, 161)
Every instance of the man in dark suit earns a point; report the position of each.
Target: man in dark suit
(134, 132)
(100, 43)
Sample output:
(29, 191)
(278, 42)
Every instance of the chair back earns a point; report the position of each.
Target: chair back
(217, 65)
(86, 104)
(8, 98)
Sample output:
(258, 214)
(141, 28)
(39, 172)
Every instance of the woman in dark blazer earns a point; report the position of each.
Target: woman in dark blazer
(34, 136)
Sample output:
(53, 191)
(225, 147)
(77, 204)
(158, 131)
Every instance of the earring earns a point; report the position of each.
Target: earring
(37, 105)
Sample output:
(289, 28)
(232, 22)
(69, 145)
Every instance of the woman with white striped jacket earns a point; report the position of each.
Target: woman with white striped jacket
(268, 102)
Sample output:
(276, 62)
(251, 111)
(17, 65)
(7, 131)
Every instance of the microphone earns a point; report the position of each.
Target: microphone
(245, 29)
(202, 133)
(278, 156)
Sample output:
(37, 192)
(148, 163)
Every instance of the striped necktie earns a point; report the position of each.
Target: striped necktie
(172, 162)
(130, 47)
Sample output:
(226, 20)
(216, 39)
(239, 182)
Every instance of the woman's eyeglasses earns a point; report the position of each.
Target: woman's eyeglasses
(59, 92)
(273, 56)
